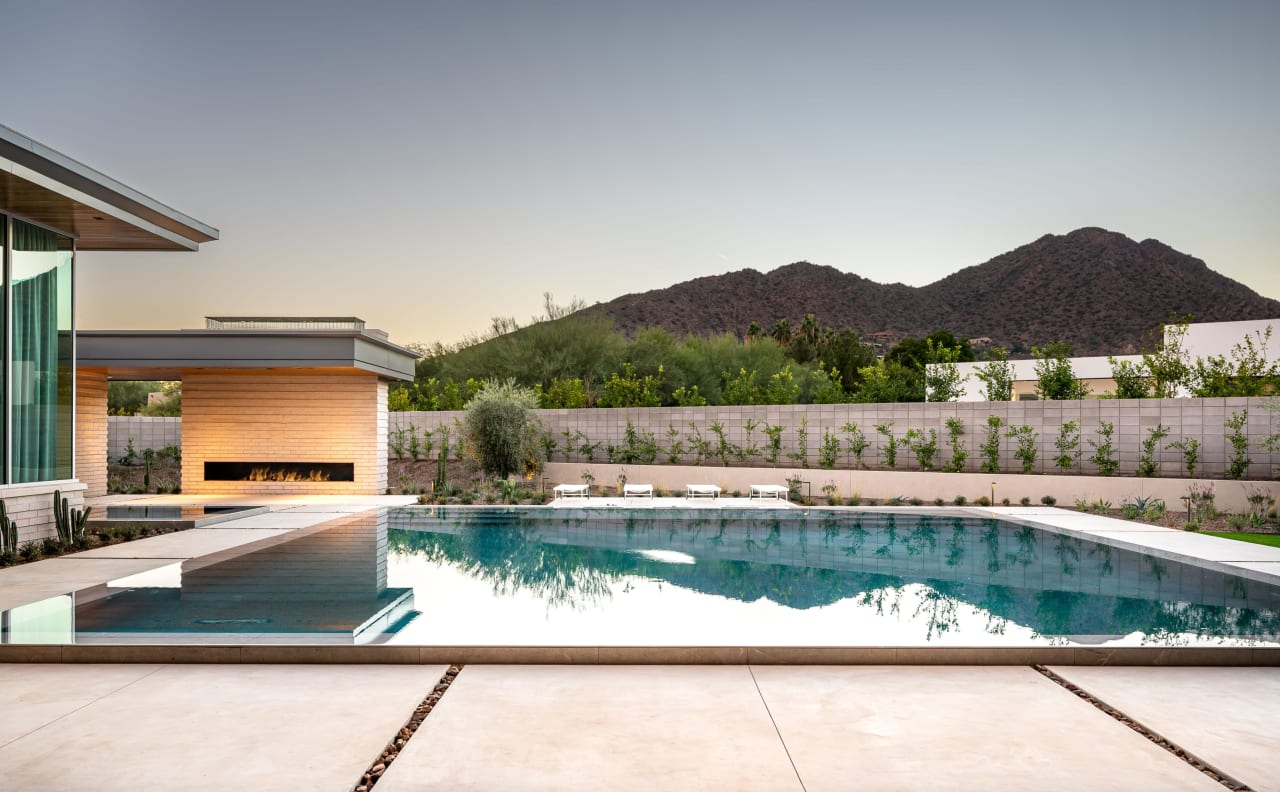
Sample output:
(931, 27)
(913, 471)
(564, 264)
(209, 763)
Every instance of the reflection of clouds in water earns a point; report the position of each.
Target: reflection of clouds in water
(667, 556)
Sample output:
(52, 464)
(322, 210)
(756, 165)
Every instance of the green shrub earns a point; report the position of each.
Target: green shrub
(1148, 466)
(959, 451)
(1104, 453)
(500, 431)
(991, 446)
(923, 445)
(1049, 500)
(1238, 462)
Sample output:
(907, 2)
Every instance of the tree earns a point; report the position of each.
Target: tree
(942, 379)
(631, 390)
(1247, 373)
(889, 381)
(1055, 379)
(782, 332)
(997, 375)
(1168, 362)
(846, 353)
(500, 432)
(170, 406)
(1132, 380)
(754, 333)
(128, 397)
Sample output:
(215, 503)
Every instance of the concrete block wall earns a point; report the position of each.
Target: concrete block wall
(277, 417)
(91, 430)
(153, 433)
(1132, 419)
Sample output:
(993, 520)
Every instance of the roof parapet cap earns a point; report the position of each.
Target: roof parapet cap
(287, 323)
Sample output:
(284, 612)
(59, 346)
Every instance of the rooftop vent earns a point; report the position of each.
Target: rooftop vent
(283, 323)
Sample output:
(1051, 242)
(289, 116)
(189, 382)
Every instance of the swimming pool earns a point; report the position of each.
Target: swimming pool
(673, 577)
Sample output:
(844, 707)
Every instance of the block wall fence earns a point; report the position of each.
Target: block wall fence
(1199, 419)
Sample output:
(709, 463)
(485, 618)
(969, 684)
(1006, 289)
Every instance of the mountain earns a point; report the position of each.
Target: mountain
(1097, 289)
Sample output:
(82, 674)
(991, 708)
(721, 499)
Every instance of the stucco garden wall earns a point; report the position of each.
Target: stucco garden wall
(1229, 496)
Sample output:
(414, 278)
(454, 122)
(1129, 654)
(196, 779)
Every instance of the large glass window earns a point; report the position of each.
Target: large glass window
(40, 264)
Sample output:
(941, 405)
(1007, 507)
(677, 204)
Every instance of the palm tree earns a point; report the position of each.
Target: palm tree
(782, 332)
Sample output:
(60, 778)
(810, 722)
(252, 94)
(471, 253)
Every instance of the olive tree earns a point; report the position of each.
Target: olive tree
(501, 432)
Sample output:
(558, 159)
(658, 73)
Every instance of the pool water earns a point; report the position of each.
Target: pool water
(801, 578)
(669, 577)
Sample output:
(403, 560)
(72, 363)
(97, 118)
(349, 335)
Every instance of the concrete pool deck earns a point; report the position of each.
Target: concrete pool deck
(197, 727)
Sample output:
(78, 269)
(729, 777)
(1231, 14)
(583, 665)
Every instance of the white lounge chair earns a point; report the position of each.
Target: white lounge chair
(701, 491)
(571, 491)
(769, 491)
(637, 491)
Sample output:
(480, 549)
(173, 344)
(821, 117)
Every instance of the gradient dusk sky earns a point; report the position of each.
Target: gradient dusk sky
(427, 166)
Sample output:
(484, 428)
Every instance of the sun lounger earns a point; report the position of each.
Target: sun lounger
(572, 490)
(701, 491)
(637, 491)
(768, 491)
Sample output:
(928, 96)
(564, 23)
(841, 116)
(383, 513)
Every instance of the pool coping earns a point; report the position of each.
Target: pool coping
(641, 655)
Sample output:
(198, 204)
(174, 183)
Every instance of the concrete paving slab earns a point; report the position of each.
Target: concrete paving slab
(209, 727)
(283, 519)
(957, 728)
(1265, 567)
(1226, 716)
(669, 503)
(183, 544)
(618, 728)
(1210, 548)
(52, 577)
(33, 696)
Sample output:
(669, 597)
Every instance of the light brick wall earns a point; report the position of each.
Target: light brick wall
(91, 430)
(278, 417)
(31, 506)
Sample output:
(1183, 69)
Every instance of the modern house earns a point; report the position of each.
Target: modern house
(1202, 340)
(52, 208)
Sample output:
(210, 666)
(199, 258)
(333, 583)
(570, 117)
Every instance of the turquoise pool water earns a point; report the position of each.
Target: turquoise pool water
(669, 577)
(801, 577)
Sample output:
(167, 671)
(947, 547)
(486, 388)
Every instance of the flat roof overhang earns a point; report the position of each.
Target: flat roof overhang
(43, 185)
(163, 354)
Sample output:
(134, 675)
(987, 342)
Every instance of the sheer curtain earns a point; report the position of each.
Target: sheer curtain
(34, 387)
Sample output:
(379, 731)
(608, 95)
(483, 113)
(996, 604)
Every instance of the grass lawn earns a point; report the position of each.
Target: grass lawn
(1266, 539)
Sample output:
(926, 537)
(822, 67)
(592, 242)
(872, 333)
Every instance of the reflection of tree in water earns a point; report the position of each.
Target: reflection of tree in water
(506, 552)
(956, 545)
(941, 607)
(505, 558)
(1068, 551)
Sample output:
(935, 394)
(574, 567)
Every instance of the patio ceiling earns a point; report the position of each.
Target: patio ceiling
(47, 187)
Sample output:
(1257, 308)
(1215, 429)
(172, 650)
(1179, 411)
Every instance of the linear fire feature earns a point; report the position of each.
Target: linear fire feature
(279, 471)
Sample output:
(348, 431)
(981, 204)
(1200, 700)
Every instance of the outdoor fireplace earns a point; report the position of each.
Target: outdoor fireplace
(280, 471)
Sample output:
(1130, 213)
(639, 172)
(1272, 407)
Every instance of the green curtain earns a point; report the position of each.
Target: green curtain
(35, 367)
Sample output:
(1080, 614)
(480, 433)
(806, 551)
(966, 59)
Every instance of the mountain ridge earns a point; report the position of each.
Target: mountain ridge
(1097, 289)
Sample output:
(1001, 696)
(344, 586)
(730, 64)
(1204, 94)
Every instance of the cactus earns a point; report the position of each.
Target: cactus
(8, 532)
(70, 523)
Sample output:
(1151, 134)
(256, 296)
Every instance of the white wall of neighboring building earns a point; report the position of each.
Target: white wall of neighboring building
(1090, 369)
(1217, 338)
(1202, 340)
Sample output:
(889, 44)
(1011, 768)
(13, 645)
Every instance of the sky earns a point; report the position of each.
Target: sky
(427, 166)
